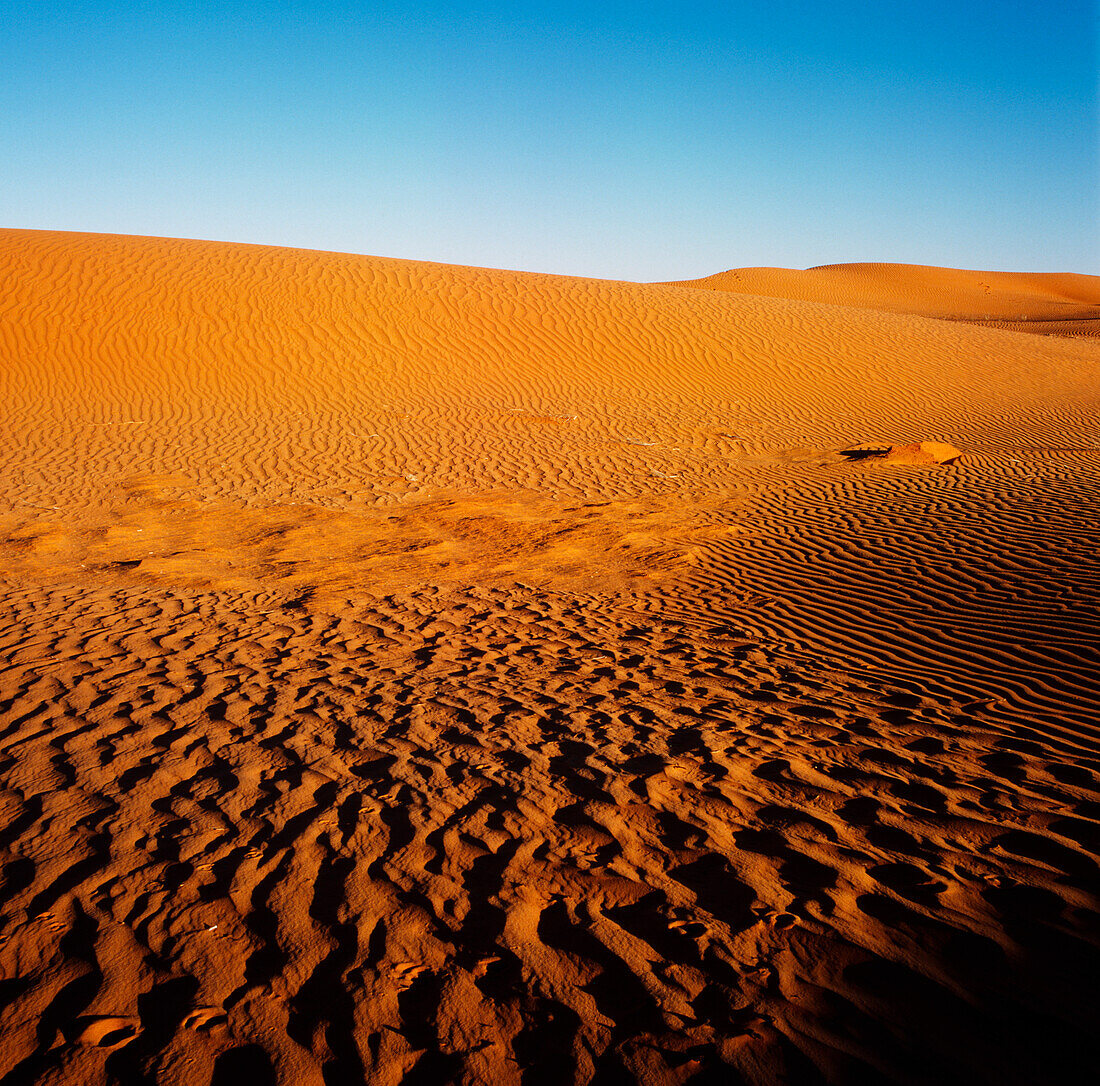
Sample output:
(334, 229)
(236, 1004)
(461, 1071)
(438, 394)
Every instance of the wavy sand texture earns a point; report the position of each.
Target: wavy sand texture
(418, 674)
(1042, 302)
(276, 374)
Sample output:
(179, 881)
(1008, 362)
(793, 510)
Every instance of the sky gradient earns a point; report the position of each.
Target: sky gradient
(632, 140)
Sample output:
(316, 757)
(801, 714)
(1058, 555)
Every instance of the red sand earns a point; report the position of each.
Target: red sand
(431, 674)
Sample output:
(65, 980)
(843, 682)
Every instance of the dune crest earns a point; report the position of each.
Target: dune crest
(417, 673)
(1047, 303)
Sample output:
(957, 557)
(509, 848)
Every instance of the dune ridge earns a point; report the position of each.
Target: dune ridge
(400, 365)
(1045, 303)
(417, 673)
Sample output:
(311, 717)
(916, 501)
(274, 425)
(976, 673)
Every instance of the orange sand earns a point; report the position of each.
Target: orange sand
(417, 673)
(1041, 302)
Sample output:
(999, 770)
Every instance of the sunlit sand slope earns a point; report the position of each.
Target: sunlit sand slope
(420, 674)
(1041, 302)
(275, 374)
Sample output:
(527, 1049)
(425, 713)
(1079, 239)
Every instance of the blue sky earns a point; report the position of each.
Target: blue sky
(622, 140)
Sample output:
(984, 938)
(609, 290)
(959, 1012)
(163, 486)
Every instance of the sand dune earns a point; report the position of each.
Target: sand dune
(1040, 302)
(417, 673)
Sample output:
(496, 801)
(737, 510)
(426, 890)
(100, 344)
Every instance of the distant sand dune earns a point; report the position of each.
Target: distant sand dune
(272, 374)
(422, 674)
(1040, 302)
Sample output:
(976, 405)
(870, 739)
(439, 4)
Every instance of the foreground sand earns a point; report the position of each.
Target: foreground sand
(427, 674)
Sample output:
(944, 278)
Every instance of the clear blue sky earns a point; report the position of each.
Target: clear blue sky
(631, 140)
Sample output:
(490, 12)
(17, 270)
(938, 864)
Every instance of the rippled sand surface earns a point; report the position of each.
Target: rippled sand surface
(426, 674)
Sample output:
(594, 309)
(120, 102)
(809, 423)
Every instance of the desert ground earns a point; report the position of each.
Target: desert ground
(422, 674)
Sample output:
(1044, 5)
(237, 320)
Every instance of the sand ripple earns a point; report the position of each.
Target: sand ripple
(419, 674)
